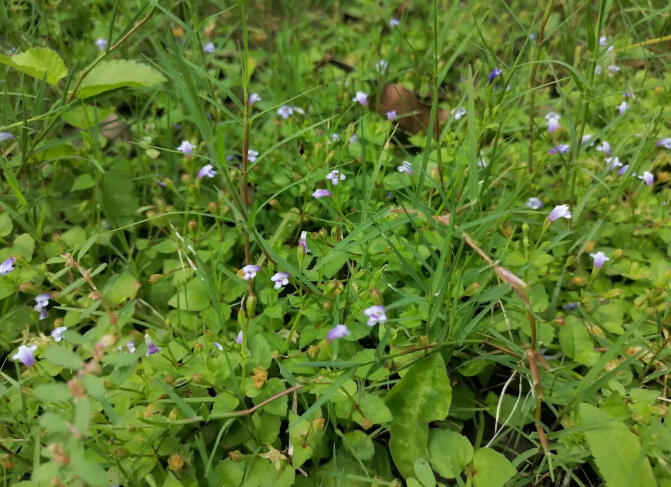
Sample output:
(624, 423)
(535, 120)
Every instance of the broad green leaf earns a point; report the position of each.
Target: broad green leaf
(576, 342)
(424, 474)
(24, 245)
(491, 468)
(110, 75)
(86, 116)
(121, 288)
(616, 450)
(359, 444)
(5, 225)
(449, 452)
(38, 62)
(83, 181)
(53, 392)
(374, 409)
(421, 396)
(118, 196)
(191, 297)
(63, 357)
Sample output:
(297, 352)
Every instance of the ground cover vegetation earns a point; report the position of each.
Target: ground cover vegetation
(335, 243)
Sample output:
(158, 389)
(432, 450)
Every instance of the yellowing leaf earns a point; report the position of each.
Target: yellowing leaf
(38, 62)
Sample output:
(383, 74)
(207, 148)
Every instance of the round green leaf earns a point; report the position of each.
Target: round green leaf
(491, 468)
(449, 452)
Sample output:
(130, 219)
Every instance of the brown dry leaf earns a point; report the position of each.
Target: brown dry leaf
(114, 128)
(178, 32)
(414, 115)
(260, 376)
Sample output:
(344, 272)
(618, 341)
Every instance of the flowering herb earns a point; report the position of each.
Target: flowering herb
(376, 314)
(25, 355)
(599, 259)
(101, 43)
(209, 48)
(57, 334)
(381, 66)
(218, 346)
(559, 211)
(280, 279)
(321, 193)
(152, 348)
(335, 176)
(303, 242)
(391, 115)
(648, 178)
(186, 148)
(405, 167)
(553, 121)
(238, 338)
(614, 69)
(560, 149)
(622, 107)
(534, 203)
(207, 171)
(249, 271)
(394, 22)
(7, 266)
(252, 155)
(131, 346)
(604, 147)
(494, 73)
(285, 111)
(338, 331)
(666, 143)
(361, 98)
(41, 303)
(253, 98)
(613, 162)
(457, 113)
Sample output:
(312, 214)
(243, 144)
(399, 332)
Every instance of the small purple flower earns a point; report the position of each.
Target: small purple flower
(253, 98)
(560, 149)
(321, 193)
(495, 73)
(303, 242)
(285, 111)
(335, 176)
(534, 203)
(280, 279)
(482, 163)
(209, 48)
(152, 348)
(25, 355)
(666, 143)
(7, 266)
(249, 271)
(338, 331)
(604, 147)
(613, 162)
(238, 338)
(599, 259)
(101, 43)
(361, 98)
(586, 139)
(648, 178)
(353, 139)
(41, 303)
(391, 114)
(207, 171)
(623, 170)
(186, 148)
(6, 136)
(628, 94)
(457, 113)
(622, 107)
(57, 334)
(252, 155)
(405, 167)
(376, 314)
(614, 69)
(394, 22)
(335, 137)
(603, 40)
(559, 211)
(597, 69)
(381, 66)
(532, 36)
(131, 346)
(553, 121)
(570, 306)
(218, 346)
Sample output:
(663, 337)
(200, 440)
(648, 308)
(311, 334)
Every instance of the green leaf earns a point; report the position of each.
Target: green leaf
(24, 245)
(449, 452)
(63, 357)
(54, 392)
(38, 62)
(121, 288)
(576, 342)
(374, 409)
(421, 396)
(616, 450)
(86, 116)
(491, 468)
(192, 297)
(6, 225)
(359, 444)
(118, 195)
(423, 473)
(110, 75)
(83, 181)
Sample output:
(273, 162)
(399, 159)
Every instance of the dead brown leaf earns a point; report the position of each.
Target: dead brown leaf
(414, 115)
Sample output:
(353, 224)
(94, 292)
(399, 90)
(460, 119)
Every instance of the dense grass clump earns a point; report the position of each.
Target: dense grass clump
(335, 243)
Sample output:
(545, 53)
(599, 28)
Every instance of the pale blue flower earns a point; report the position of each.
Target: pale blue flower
(335, 176)
(353, 139)
(665, 142)
(152, 348)
(599, 259)
(614, 69)
(209, 48)
(597, 69)
(285, 111)
(560, 149)
(391, 114)
(218, 346)
(559, 211)
(604, 147)
(25, 355)
(253, 98)
(376, 314)
(338, 331)
(613, 163)
(361, 98)
(623, 170)
(394, 22)
(238, 338)
(321, 193)
(622, 107)
(534, 203)
(101, 43)
(303, 242)
(457, 113)
(131, 346)
(57, 334)
(381, 66)
(6, 136)
(280, 279)
(207, 171)
(7, 266)
(553, 121)
(648, 178)
(186, 148)
(252, 155)
(405, 167)
(249, 271)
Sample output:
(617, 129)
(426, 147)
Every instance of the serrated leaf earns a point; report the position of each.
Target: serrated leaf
(110, 75)
(616, 450)
(449, 452)
(421, 396)
(491, 468)
(38, 62)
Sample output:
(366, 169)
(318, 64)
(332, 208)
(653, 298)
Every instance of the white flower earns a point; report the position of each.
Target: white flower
(622, 107)
(335, 176)
(534, 203)
(57, 334)
(361, 98)
(405, 167)
(457, 113)
(280, 279)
